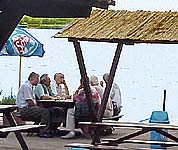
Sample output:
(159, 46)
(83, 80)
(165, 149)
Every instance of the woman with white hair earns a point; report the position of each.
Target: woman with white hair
(109, 107)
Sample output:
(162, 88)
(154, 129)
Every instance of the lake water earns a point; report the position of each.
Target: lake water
(144, 71)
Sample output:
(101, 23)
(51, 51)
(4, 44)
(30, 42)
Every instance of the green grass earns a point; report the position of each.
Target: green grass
(8, 101)
(30, 22)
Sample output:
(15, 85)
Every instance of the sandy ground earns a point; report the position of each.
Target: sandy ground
(56, 143)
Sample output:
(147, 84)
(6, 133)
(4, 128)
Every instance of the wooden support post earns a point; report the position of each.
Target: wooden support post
(83, 73)
(17, 133)
(110, 81)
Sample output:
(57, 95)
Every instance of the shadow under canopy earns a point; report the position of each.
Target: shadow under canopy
(12, 11)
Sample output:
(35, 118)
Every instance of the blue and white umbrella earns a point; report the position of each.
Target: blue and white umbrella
(23, 44)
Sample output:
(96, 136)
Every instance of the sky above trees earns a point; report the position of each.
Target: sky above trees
(152, 5)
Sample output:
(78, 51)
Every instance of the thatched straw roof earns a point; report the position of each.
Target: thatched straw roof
(125, 26)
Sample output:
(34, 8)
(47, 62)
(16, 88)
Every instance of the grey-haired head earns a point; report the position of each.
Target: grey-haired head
(94, 80)
(43, 78)
(58, 75)
(105, 77)
(32, 76)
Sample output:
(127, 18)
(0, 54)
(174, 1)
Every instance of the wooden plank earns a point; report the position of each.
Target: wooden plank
(151, 142)
(131, 124)
(169, 143)
(18, 128)
(91, 146)
(114, 117)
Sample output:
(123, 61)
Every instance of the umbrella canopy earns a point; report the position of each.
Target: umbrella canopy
(23, 44)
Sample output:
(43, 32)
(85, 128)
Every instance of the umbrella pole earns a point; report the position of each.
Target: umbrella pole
(20, 70)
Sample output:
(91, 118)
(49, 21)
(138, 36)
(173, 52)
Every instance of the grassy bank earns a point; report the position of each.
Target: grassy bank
(8, 101)
(30, 22)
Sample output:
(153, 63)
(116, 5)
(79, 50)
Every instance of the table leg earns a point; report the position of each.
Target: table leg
(120, 140)
(167, 134)
(95, 136)
(17, 133)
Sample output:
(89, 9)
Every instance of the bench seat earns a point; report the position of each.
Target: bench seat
(165, 143)
(19, 128)
(152, 142)
(91, 146)
(114, 118)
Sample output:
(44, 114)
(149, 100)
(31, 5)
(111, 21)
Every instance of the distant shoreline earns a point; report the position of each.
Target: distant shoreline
(44, 23)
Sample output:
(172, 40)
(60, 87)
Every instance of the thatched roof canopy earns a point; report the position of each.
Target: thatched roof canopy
(125, 26)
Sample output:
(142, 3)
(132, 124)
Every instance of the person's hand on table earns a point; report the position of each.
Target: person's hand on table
(53, 98)
(68, 97)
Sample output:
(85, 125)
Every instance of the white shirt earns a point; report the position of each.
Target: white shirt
(116, 94)
(57, 89)
(25, 93)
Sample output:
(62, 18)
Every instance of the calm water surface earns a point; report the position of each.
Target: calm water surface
(144, 71)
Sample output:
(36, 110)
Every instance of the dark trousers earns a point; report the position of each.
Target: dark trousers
(36, 113)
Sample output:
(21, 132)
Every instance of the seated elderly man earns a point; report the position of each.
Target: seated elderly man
(28, 105)
(43, 89)
(115, 95)
(59, 86)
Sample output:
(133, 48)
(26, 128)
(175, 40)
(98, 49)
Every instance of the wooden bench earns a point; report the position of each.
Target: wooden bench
(20, 128)
(143, 128)
(114, 118)
(6, 130)
(17, 131)
(163, 143)
(91, 146)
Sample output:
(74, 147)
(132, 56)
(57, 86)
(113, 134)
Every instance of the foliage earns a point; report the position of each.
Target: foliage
(30, 22)
(8, 101)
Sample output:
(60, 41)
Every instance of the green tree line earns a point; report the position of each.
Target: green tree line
(30, 22)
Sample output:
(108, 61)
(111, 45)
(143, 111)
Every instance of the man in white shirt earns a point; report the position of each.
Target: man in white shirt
(115, 93)
(59, 86)
(28, 106)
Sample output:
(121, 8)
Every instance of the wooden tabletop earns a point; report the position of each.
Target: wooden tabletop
(133, 124)
(59, 103)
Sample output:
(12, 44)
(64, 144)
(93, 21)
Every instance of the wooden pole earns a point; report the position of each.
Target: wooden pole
(110, 81)
(83, 73)
(20, 71)
(164, 101)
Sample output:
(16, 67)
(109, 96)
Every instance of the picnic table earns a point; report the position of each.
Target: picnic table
(7, 110)
(144, 128)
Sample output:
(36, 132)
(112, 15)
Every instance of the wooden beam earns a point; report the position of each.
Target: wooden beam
(110, 81)
(84, 76)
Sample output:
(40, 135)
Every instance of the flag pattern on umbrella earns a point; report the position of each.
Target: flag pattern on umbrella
(22, 43)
